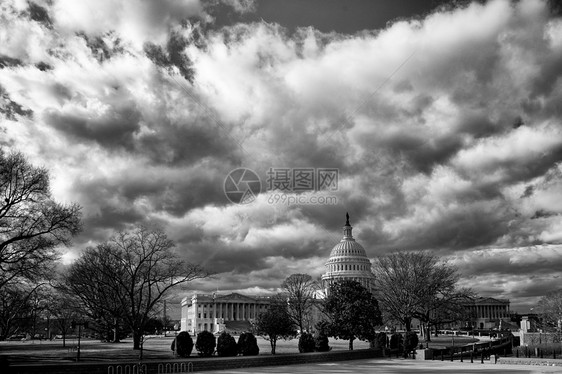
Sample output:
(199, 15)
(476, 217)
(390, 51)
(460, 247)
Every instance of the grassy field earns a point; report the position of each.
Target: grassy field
(156, 347)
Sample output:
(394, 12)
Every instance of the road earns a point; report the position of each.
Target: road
(382, 366)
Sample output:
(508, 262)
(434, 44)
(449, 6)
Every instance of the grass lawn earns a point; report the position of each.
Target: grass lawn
(157, 348)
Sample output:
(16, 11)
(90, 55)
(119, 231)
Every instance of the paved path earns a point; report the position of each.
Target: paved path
(384, 366)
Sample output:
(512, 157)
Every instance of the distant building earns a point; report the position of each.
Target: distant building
(348, 261)
(216, 313)
(489, 313)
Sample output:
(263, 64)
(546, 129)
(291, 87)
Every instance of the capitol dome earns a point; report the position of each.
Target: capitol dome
(348, 261)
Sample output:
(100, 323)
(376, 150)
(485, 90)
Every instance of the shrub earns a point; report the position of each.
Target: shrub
(321, 341)
(226, 345)
(205, 344)
(185, 344)
(411, 341)
(248, 345)
(396, 341)
(306, 343)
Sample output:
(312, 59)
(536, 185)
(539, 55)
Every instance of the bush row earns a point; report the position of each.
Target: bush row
(226, 345)
(407, 342)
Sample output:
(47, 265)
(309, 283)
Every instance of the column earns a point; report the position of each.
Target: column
(243, 311)
(195, 321)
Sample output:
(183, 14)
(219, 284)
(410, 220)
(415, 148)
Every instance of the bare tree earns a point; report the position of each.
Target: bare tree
(134, 271)
(550, 307)
(32, 224)
(15, 307)
(419, 285)
(300, 290)
(398, 280)
(62, 309)
(92, 278)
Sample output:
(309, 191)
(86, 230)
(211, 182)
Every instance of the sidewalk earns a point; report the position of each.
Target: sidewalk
(386, 366)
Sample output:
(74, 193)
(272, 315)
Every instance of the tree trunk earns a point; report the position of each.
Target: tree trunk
(428, 333)
(351, 344)
(115, 331)
(408, 324)
(273, 343)
(436, 334)
(136, 339)
(63, 339)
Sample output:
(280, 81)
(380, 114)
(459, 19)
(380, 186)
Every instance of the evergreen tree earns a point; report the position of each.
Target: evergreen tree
(353, 311)
(275, 323)
(205, 344)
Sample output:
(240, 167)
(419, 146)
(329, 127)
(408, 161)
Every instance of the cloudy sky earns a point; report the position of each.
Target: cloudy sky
(444, 123)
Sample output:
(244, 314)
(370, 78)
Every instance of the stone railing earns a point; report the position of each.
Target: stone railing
(537, 338)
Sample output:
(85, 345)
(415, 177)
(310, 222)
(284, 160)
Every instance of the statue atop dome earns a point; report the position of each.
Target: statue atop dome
(347, 219)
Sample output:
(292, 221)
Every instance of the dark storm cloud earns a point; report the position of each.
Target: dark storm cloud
(186, 143)
(545, 260)
(113, 130)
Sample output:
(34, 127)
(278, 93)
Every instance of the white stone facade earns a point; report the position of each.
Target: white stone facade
(348, 261)
(215, 312)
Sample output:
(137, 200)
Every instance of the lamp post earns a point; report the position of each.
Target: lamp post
(73, 324)
(214, 312)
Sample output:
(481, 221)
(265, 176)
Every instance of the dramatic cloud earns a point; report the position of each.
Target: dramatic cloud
(446, 131)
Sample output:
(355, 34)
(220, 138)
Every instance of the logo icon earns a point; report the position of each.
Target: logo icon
(242, 186)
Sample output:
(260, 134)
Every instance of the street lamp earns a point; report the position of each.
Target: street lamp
(214, 312)
(73, 324)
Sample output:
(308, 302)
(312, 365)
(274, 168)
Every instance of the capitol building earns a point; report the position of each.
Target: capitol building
(232, 312)
(347, 261)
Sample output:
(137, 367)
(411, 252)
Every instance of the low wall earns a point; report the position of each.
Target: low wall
(529, 361)
(537, 338)
(474, 350)
(196, 363)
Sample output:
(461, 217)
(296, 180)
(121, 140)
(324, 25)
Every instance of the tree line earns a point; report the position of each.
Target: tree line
(407, 286)
(118, 285)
